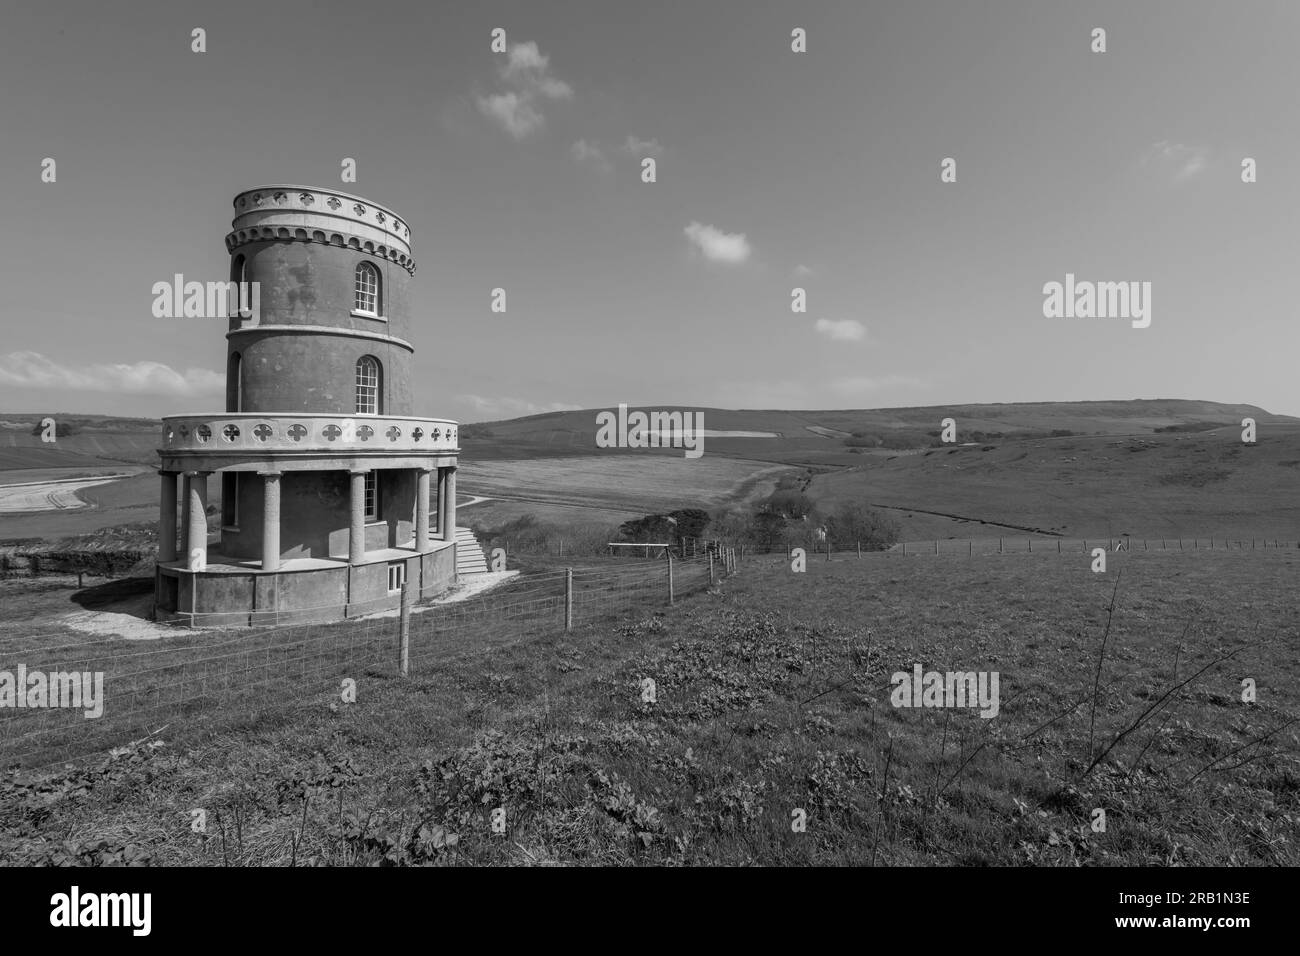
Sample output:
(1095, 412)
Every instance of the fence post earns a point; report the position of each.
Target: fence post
(999, 545)
(936, 545)
(859, 549)
(970, 547)
(404, 641)
(711, 580)
(670, 578)
(1031, 545)
(568, 599)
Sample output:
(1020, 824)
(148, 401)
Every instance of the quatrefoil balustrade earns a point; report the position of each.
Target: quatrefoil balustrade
(262, 432)
(297, 432)
(332, 432)
(230, 432)
(203, 433)
(364, 432)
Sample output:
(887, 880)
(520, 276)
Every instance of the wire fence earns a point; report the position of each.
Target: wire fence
(70, 698)
(1033, 545)
(1060, 545)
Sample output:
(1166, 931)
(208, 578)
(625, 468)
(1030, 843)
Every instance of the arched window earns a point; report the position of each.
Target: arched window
(368, 300)
(238, 268)
(368, 386)
(235, 383)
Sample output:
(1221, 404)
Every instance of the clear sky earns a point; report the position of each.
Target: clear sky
(775, 169)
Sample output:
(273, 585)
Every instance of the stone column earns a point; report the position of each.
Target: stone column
(442, 500)
(357, 535)
(270, 521)
(196, 525)
(185, 511)
(422, 510)
(167, 517)
(449, 494)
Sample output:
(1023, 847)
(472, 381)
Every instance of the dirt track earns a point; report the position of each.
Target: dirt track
(48, 495)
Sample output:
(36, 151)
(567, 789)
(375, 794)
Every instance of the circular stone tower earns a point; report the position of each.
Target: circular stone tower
(325, 473)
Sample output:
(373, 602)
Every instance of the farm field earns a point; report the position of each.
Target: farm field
(618, 486)
(98, 442)
(58, 494)
(816, 437)
(126, 501)
(1162, 485)
(773, 695)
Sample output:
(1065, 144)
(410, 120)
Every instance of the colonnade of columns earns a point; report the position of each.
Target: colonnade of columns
(195, 523)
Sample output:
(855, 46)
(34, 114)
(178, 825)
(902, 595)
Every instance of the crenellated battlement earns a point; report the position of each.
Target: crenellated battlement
(309, 214)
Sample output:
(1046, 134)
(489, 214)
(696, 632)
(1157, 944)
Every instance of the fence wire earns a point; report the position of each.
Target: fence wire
(189, 682)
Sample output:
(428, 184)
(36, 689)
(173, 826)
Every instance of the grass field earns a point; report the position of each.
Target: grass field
(1161, 485)
(772, 697)
(613, 487)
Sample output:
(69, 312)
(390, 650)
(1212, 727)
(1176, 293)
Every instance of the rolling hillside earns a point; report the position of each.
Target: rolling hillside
(1162, 485)
(1158, 467)
(817, 437)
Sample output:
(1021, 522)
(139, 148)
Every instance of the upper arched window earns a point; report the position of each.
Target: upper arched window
(368, 385)
(368, 300)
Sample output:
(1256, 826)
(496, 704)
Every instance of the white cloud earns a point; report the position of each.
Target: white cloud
(641, 147)
(513, 112)
(499, 407)
(855, 385)
(526, 74)
(528, 70)
(1177, 161)
(718, 246)
(590, 154)
(803, 271)
(842, 330)
(34, 370)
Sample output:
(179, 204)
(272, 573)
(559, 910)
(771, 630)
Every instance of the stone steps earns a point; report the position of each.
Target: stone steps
(469, 553)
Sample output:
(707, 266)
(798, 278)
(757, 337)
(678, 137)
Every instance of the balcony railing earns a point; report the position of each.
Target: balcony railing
(253, 432)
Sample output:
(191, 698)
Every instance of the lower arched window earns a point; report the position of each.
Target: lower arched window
(368, 385)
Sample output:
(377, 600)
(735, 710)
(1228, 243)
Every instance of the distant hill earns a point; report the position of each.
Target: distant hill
(96, 442)
(829, 437)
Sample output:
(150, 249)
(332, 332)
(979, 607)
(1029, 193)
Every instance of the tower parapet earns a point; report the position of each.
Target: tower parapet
(308, 214)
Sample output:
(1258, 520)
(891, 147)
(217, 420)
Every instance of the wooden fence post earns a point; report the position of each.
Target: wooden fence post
(859, 549)
(404, 631)
(568, 599)
(670, 578)
(711, 580)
